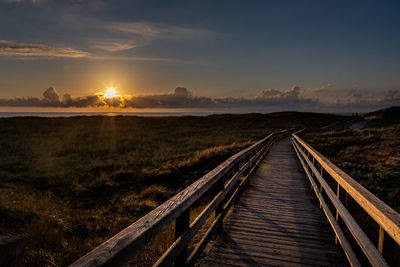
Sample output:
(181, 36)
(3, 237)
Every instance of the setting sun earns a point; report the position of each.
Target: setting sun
(111, 92)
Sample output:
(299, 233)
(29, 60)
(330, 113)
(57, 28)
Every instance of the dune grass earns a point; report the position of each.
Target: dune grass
(69, 184)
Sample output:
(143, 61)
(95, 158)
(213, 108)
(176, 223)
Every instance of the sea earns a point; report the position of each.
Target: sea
(143, 114)
(75, 114)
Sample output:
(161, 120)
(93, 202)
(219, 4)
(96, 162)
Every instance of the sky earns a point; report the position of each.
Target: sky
(249, 56)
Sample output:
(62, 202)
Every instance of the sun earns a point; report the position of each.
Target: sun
(111, 92)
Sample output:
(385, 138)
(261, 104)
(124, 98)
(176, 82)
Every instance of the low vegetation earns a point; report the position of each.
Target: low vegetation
(69, 184)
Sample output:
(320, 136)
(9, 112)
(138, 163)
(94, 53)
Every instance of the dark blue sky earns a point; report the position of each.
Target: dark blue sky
(335, 51)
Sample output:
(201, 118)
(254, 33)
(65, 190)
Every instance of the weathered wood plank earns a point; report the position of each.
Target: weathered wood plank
(235, 195)
(366, 245)
(265, 229)
(352, 258)
(184, 237)
(384, 215)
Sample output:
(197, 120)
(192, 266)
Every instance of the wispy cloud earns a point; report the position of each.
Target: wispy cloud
(31, 2)
(114, 46)
(321, 89)
(153, 30)
(25, 50)
(272, 94)
(10, 48)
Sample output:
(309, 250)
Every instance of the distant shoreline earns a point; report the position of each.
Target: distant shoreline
(89, 114)
(141, 114)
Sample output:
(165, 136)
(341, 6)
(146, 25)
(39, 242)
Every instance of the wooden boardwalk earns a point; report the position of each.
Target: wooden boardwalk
(277, 221)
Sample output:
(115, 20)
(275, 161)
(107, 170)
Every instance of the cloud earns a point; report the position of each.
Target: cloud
(278, 95)
(52, 99)
(181, 97)
(322, 89)
(265, 101)
(13, 1)
(114, 46)
(10, 48)
(392, 95)
(51, 95)
(153, 30)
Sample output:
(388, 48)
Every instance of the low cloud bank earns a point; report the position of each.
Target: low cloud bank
(265, 101)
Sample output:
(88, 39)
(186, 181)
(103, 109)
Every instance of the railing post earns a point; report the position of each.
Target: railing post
(320, 189)
(381, 238)
(219, 209)
(337, 210)
(182, 225)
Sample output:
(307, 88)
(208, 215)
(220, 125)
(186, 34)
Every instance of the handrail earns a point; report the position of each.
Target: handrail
(121, 247)
(386, 217)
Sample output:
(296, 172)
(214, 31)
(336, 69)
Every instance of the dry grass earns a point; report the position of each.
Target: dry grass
(69, 184)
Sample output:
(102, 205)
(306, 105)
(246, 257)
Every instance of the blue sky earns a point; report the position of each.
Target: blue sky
(342, 55)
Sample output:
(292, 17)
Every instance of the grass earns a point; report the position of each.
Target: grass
(69, 184)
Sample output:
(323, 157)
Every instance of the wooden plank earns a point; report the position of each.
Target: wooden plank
(353, 260)
(184, 237)
(384, 215)
(282, 249)
(292, 227)
(212, 262)
(300, 234)
(236, 194)
(381, 238)
(181, 226)
(264, 228)
(266, 259)
(365, 244)
(276, 238)
(220, 216)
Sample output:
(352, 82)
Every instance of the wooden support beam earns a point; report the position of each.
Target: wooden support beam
(381, 239)
(181, 226)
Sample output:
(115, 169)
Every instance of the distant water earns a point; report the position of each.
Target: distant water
(73, 114)
(144, 114)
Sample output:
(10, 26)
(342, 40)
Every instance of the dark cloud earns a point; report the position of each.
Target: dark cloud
(265, 101)
(52, 99)
(51, 95)
(183, 98)
(180, 98)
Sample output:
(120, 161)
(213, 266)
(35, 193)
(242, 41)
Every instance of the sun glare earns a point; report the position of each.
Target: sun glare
(111, 92)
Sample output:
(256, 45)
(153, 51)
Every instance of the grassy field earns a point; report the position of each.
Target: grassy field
(69, 184)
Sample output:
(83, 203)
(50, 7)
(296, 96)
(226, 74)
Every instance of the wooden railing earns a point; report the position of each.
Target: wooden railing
(227, 181)
(318, 168)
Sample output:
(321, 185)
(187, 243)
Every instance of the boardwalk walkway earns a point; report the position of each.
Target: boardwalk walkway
(277, 220)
